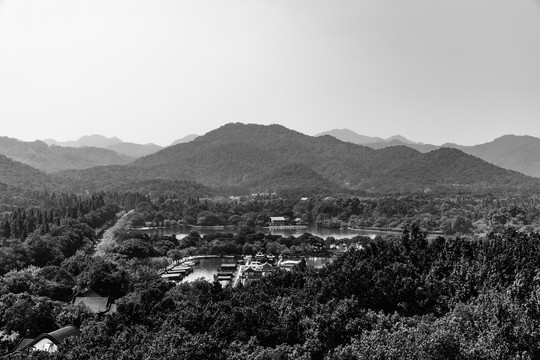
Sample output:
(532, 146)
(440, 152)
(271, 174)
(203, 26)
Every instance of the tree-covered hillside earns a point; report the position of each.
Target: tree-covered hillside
(239, 154)
(25, 177)
(511, 152)
(406, 298)
(55, 158)
(399, 297)
(519, 153)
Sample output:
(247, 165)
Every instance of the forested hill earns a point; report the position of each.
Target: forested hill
(519, 153)
(257, 157)
(511, 152)
(24, 177)
(55, 158)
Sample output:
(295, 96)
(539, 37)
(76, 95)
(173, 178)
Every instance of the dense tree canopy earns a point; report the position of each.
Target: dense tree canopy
(402, 298)
(398, 297)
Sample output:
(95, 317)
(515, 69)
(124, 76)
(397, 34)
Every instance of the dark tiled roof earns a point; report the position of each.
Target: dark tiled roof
(23, 344)
(61, 334)
(57, 337)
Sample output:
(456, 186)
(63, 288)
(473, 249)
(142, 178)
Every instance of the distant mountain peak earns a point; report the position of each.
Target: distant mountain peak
(185, 139)
(134, 150)
(348, 135)
(400, 138)
(343, 131)
(516, 138)
(130, 149)
(97, 140)
(94, 140)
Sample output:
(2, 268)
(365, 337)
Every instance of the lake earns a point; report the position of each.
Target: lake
(317, 231)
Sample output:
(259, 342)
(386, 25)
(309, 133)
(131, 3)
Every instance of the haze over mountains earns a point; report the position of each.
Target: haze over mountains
(87, 140)
(99, 141)
(121, 147)
(512, 152)
(355, 138)
(87, 152)
(55, 158)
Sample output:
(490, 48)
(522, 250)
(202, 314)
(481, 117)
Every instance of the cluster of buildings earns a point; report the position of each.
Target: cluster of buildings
(230, 271)
(281, 222)
(260, 265)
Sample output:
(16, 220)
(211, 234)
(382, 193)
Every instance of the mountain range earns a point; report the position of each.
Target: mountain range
(355, 138)
(512, 152)
(519, 153)
(257, 157)
(55, 158)
(24, 177)
(99, 141)
(130, 149)
(87, 152)
(244, 158)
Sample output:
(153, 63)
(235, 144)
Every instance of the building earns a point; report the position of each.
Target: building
(256, 271)
(227, 269)
(48, 341)
(225, 273)
(261, 258)
(278, 221)
(95, 302)
(178, 272)
(290, 264)
(266, 268)
(253, 272)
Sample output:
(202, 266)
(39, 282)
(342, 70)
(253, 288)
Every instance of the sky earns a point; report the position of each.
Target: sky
(435, 71)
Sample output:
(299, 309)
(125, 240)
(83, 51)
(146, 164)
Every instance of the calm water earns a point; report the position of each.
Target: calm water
(207, 268)
(323, 233)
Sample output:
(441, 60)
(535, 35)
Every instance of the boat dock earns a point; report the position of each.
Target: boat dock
(176, 272)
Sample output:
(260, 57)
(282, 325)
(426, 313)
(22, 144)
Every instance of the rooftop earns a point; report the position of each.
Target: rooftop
(57, 337)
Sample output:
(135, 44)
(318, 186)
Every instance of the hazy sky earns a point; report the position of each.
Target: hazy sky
(435, 71)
